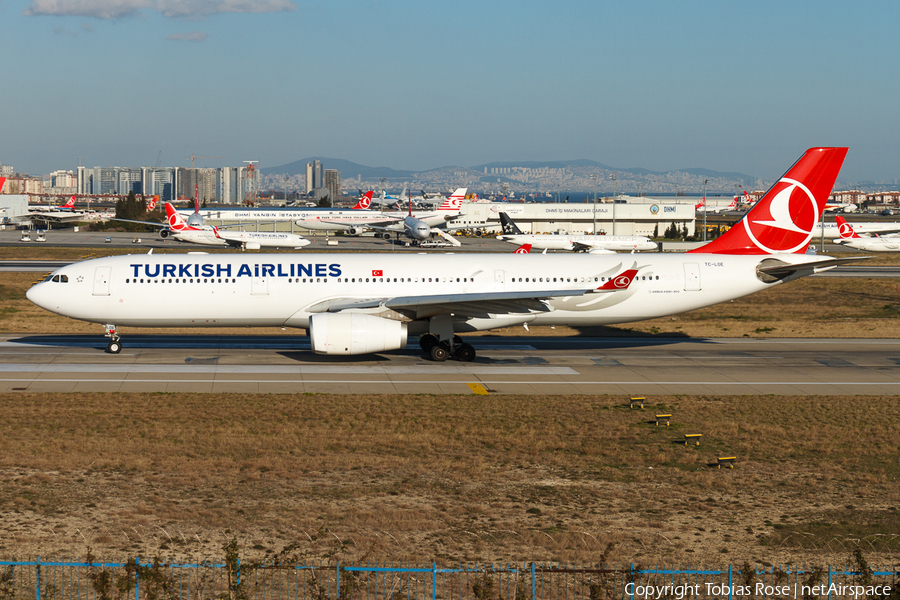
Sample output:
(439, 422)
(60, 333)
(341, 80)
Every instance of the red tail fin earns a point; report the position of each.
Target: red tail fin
(523, 249)
(364, 202)
(70, 203)
(845, 228)
(783, 220)
(176, 223)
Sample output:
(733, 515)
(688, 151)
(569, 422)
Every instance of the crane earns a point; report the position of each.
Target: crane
(192, 157)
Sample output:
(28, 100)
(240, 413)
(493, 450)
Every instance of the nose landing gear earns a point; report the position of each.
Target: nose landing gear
(115, 345)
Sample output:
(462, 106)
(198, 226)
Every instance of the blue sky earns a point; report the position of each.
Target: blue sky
(724, 85)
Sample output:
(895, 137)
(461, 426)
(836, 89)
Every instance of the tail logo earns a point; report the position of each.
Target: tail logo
(523, 249)
(364, 202)
(622, 281)
(845, 229)
(793, 213)
(175, 221)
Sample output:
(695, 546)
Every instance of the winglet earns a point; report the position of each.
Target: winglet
(523, 249)
(619, 282)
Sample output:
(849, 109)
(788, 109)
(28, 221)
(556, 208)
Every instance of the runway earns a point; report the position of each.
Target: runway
(505, 365)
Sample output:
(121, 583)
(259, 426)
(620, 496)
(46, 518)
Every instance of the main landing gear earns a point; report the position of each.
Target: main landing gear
(440, 343)
(115, 345)
(439, 351)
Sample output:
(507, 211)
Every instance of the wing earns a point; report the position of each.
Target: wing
(479, 304)
(773, 269)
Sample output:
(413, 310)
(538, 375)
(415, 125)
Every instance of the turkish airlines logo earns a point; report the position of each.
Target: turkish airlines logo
(622, 281)
(364, 202)
(523, 249)
(175, 221)
(846, 230)
(793, 213)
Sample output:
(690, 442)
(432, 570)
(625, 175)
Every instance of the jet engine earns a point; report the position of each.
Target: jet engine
(251, 246)
(164, 233)
(600, 251)
(354, 333)
(353, 230)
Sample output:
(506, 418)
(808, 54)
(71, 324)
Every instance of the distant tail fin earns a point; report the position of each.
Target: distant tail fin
(176, 222)
(2, 183)
(508, 225)
(69, 204)
(151, 206)
(523, 249)
(700, 204)
(454, 202)
(845, 228)
(364, 202)
(783, 220)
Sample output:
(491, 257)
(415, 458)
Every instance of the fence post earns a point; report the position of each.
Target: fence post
(533, 593)
(632, 581)
(730, 579)
(433, 581)
(337, 580)
(137, 578)
(829, 582)
(37, 579)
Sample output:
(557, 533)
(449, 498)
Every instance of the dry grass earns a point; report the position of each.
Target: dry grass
(451, 478)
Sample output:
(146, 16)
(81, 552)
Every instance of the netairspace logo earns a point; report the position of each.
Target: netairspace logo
(679, 592)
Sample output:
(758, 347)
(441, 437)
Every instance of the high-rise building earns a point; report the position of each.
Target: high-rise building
(332, 181)
(313, 176)
(228, 177)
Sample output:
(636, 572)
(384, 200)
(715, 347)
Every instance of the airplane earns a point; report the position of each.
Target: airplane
(844, 207)
(593, 244)
(416, 229)
(179, 230)
(851, 239)
(360, 221)
(703, 208)
(361, 303)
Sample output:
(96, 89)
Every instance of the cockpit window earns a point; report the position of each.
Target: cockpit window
(59, 279)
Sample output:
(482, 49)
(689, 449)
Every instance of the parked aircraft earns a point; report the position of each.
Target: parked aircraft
(594, 244)
(851, 239)
(179, 230)
(364, 303)
(701, 206)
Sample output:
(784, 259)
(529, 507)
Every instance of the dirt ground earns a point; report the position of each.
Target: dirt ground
(450, 478)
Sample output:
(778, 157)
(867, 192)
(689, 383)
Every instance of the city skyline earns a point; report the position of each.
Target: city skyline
(730, 88)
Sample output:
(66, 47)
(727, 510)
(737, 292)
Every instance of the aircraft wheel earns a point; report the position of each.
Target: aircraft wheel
(114, 347)
(428, 341)
(457, 341)
(465, 353)
(439, 353)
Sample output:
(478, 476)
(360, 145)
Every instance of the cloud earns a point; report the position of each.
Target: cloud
(117, 9)
(189, 36)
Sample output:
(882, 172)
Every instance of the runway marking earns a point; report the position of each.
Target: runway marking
(641, 382)
(225, 369)
(477, 388)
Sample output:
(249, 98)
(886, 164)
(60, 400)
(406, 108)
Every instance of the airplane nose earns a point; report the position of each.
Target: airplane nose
(38, 295)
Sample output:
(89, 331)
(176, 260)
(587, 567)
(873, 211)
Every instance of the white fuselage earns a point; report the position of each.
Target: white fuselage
(264, 239)
(284, 290)
(617, 243)
(872, 244)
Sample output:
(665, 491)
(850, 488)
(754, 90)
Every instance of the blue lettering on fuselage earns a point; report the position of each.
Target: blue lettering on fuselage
(153, 270)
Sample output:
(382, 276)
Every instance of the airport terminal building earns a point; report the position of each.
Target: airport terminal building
(633, 218)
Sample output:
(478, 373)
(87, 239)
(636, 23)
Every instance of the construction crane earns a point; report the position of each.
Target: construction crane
(192, 157)
(250, 197)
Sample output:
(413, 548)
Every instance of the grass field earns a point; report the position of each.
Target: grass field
(466, 478)
(450, 478)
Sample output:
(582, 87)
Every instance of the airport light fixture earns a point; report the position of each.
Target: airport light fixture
(594, 177)
(704, 209)
(613, 177)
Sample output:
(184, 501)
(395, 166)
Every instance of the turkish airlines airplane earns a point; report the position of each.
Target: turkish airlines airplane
(701, 206)
(180, 231)
(593, 244)
(420, 226)
(363, 303)
(851, 239)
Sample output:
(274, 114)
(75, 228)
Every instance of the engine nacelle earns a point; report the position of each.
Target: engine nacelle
(354, 231)
(354, 333)
(251, 246)
(164, 233)
(600, 251)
